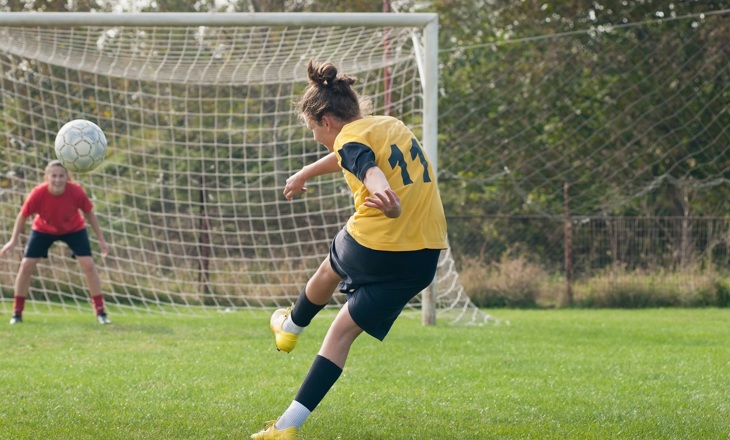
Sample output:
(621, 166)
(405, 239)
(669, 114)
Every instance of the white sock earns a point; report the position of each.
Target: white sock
(290, 327)
(295, 415)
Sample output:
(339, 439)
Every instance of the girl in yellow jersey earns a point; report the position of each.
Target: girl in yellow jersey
(385, 255)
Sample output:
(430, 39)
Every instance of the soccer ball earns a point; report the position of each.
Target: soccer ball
(80, 145)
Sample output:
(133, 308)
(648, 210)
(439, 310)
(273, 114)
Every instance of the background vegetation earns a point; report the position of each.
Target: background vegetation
(584, 145)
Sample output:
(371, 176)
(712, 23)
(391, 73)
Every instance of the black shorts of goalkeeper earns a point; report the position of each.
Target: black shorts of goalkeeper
(39, 243)
(379, 284)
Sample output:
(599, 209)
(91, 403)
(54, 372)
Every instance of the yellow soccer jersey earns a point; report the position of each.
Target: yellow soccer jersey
(387, 143)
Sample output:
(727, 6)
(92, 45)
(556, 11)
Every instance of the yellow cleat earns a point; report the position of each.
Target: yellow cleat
(285, 341)
(271, 433)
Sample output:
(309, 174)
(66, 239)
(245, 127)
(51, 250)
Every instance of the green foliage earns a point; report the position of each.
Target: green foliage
(626, 109)
(722, 291)
(629, 110)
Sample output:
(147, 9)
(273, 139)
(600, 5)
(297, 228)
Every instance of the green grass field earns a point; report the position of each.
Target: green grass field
(557, 374)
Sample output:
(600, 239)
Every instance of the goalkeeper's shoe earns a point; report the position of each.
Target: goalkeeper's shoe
(271, 433)
(103, 319)
(17, 319)
(285, 341)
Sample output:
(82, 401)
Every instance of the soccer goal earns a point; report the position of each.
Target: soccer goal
(197, 110)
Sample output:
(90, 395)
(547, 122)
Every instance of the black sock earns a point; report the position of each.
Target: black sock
(304, 310)
(322, 375)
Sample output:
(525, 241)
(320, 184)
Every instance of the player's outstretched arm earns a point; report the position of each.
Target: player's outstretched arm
(9, 246)
(295, 184)
(17, 230)
(91, 218)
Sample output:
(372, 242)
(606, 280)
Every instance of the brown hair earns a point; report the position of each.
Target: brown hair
(329, 93)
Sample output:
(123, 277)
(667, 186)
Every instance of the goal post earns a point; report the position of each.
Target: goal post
(197, 109)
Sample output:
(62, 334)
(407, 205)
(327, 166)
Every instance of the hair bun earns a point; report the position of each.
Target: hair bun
(324, 74)
(330, 93)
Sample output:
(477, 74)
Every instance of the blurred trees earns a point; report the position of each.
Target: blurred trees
(532, 113)
(625, 104)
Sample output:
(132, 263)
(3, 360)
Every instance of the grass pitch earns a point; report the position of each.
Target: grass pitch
(557, 374)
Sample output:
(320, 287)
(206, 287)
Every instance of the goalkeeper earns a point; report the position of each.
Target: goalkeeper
(389, 249)
(57, 203)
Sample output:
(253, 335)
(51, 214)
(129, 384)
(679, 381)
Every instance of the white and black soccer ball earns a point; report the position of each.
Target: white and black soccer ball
(80, 145)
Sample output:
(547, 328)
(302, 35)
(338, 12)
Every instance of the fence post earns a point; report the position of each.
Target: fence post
(568, 248)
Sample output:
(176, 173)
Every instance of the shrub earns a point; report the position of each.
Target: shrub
(722, 293)
(619, 288)
(517, 282)
(509, 282)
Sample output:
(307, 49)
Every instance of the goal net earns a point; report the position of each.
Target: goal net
(197, 110)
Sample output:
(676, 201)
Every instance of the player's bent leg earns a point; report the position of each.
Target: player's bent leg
(285, 341)
(339, 338)
(324, 372)
(22, 280)
(322, 285)
(287, 324)
(22, 285)
(94, 283)
(92, 276)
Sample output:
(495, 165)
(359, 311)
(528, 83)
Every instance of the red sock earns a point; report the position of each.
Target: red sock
(18, 305)
(98, 301)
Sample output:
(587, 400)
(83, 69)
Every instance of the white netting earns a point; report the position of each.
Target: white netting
(202, 136)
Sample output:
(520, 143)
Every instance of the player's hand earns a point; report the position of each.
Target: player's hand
(9, 246)
(387, 201)
(295, 185)
(104, 248)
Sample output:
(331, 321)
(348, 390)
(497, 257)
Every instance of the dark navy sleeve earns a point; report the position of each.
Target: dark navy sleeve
(357, 158)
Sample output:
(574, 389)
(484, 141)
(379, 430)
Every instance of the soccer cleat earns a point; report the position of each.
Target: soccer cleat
(103, 319)
(17, 319)
(271, 433)
(285, 341)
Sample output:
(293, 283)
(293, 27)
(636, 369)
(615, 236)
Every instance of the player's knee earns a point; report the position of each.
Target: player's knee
(28, 265)
(86, 263)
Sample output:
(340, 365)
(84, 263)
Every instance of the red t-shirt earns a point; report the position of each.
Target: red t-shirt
(57, 215)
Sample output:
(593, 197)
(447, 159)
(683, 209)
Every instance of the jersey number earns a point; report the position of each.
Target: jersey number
(396, 159)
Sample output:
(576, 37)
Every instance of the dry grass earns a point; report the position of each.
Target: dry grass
(515, 281)
(510, 282)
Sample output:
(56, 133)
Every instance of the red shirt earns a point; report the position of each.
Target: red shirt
(57, 215)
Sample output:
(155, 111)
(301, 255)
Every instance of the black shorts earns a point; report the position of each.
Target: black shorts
(40, 242)
(379, 284)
